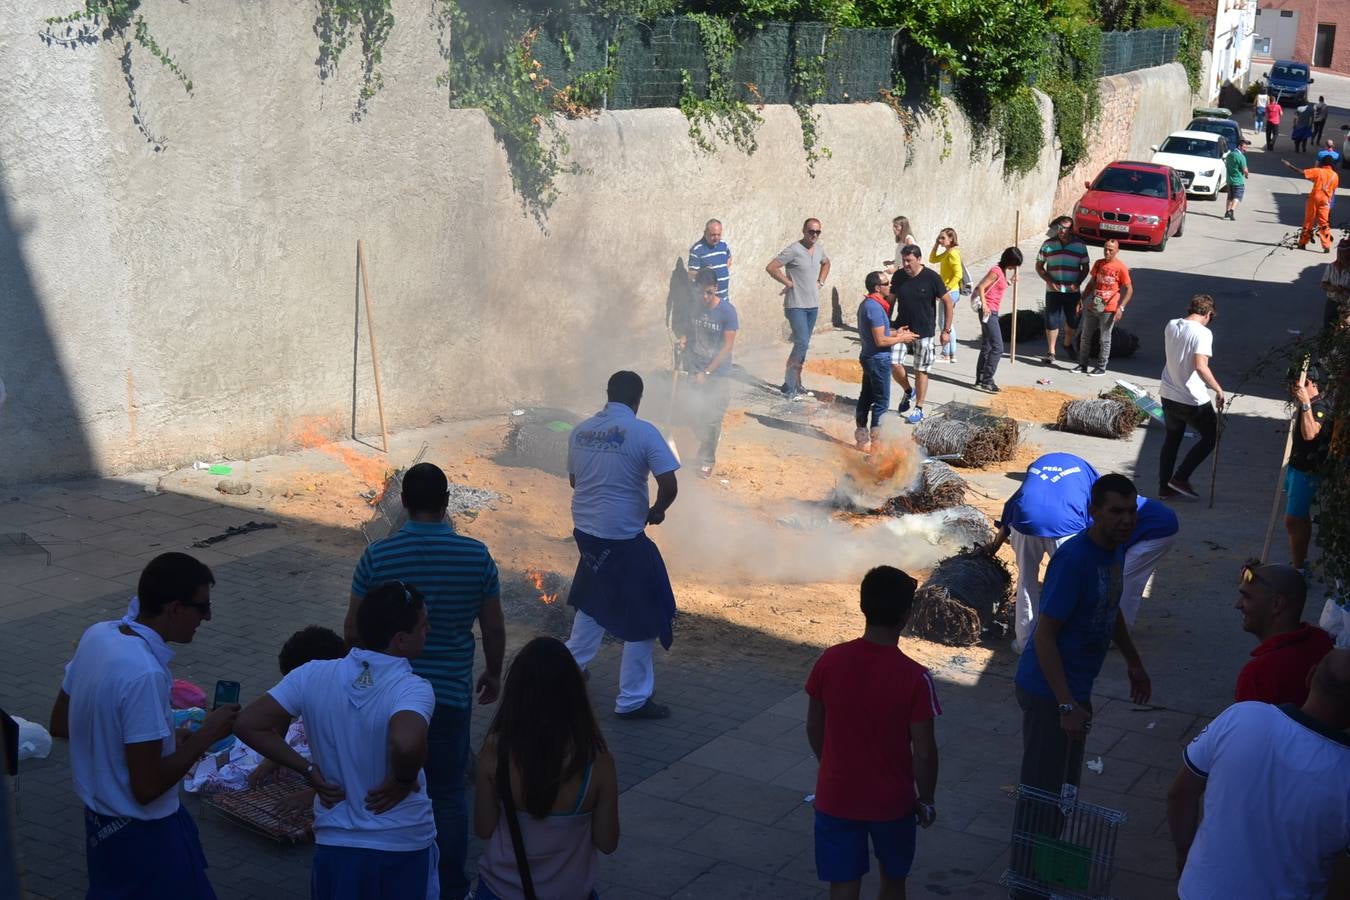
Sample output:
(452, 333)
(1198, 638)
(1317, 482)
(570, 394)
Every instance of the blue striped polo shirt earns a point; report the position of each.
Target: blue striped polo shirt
(456, 574)
(717, 258)
(1064, 263)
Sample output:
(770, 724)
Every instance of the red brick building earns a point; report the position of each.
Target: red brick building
(1311, 31)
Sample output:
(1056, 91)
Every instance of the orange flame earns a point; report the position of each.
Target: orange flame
(537, 579)
(313, 433)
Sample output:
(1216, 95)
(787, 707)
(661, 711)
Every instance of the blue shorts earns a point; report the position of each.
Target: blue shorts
(1235, 191)
(841, 847)
(360, 873)
(154, 859)
(1302, 490)
(1061, 309)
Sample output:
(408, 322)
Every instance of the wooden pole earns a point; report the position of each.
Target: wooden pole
(1012, 348)
(370, 326)
(1284, 472)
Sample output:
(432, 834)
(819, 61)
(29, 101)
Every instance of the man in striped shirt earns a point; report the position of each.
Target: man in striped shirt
(1062, 264)
(458, 577)
(711, 252)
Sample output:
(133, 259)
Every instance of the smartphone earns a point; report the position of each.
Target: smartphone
(226, 692)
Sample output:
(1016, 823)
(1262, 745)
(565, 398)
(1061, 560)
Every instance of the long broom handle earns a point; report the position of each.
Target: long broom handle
(1284, 468)
(1012, 348)
(370, 327)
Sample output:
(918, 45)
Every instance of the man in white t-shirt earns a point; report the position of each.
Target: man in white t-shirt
(366, 716)
(1189, 346)
(621, 585)
(125, 757)
(1275, 786)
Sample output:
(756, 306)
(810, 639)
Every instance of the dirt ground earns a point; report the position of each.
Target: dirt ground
(724, 615)
(1030, 404)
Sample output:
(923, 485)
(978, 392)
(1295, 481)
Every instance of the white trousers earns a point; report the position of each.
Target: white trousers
(1141, 561)
(637, 675)
(1029, 550)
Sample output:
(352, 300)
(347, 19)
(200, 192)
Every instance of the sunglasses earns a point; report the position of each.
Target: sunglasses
(1249, 570)
(813, 231)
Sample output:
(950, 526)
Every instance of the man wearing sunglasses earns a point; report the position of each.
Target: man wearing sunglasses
(1271, 601)
(801, 268)
(125, 757)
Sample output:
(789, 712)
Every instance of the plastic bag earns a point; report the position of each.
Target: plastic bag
(34, 741)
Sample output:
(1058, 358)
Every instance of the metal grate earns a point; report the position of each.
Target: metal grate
(1061, 846)
(19, 544)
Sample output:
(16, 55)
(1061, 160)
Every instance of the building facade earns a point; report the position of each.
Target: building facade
(1316, 32)
(1230, 52)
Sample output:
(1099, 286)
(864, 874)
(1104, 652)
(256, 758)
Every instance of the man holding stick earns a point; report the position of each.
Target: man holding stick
(1308, 453)
(1186, 380)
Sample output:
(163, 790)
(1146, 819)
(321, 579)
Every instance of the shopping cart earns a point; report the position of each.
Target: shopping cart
(1062, 848)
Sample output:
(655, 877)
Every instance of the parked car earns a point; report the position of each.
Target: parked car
(1288, 79)
(1137, 203)
(1229, 128)
(1198, 157)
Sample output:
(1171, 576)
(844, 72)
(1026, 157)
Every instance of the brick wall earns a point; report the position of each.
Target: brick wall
(1311, 13)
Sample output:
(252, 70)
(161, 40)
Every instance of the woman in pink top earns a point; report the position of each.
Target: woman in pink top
(989, 297)
(564, 793)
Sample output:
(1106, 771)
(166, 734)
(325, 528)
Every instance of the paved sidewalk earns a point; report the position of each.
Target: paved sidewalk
(713, 803)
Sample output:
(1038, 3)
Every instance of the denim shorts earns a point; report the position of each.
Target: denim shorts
(1302, 490)
(1061, 309)
(841, 847)
(1236, 191)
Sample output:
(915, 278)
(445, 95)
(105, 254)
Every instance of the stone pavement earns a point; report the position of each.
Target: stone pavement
(713, 803)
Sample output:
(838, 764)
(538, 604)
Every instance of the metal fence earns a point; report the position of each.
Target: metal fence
(652, 60)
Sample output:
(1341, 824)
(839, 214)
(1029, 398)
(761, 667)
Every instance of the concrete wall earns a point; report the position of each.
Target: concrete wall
(162, 306)
(1139, 109)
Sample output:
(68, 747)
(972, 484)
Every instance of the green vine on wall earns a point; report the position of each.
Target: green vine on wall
(1069, 77)
(337, 22)
(719, 115)
(108, 20)
(808, 89)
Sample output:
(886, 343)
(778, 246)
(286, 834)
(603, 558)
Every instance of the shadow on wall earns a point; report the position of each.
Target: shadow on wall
(40, 430)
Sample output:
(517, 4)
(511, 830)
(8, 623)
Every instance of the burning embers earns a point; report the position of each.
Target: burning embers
(547, 584)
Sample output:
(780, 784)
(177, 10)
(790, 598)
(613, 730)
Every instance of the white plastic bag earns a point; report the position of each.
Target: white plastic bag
(34, 741)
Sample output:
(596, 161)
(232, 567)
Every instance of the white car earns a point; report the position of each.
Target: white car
(1197, 156)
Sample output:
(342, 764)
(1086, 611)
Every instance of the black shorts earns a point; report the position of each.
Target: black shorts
(1061, 310)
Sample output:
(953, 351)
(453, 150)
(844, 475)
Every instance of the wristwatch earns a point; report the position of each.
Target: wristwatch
(1306, 407)
(1066, 708)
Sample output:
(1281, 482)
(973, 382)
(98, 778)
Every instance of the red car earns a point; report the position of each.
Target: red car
(1137, 203)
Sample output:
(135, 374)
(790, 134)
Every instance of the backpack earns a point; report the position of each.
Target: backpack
(967, 287)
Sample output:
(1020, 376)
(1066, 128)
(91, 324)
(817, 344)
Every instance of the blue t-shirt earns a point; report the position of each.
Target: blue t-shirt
(717, 258)
(1082, 590)
(870, 315)
(611, 455)
(456, 574)
(708, 335)
(1155, 521)
(1053, 501)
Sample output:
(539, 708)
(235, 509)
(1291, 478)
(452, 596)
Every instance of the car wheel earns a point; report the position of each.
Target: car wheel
(1167, 231)
(1181, 224)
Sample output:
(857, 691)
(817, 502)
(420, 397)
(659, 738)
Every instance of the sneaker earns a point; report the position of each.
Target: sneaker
(1098, 372)
(1167, 493)
(801, 397)
(1082, 370)
(905, 403)
(705, 472)
(991, 387)
(915, 417)
(861, 439)
(1048, 360)
(1183, 488)
(649, 710)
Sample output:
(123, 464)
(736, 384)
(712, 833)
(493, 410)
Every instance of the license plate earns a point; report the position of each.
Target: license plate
(1114, 226)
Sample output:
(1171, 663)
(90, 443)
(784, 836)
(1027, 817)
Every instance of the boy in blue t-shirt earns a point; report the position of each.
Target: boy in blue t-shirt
(874, 333)
(711, 341)
(1079, 617)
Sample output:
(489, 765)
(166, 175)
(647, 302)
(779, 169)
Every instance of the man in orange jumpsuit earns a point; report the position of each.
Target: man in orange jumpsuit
(1318, 211)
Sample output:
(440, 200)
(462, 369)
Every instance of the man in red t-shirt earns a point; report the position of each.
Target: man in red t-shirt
(1108, 291)
(1271, 599)
(870, 725)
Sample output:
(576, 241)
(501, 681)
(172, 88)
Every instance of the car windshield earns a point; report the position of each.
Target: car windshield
(1294, 73)
(1211, 127)
(1185, 146)
(1132, 181)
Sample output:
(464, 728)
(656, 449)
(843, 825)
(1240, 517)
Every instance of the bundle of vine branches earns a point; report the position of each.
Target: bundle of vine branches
(538, 438)
(1030, 324)
(973, 441)
(1121, 395)
(963, 596)
(1102, 417)
(939, 488)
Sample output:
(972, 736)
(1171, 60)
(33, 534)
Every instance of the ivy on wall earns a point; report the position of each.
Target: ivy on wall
(337, 22)
(720, 115)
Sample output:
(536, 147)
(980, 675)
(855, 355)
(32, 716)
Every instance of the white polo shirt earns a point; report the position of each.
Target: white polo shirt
(611, 455)
(347, 704)
(119, 694)
(1277, 805)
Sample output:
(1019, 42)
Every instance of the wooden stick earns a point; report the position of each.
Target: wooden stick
(370, 326)
(1284, 471)
(1012, 349)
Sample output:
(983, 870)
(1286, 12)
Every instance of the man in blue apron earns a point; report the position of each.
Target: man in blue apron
(621, 586)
